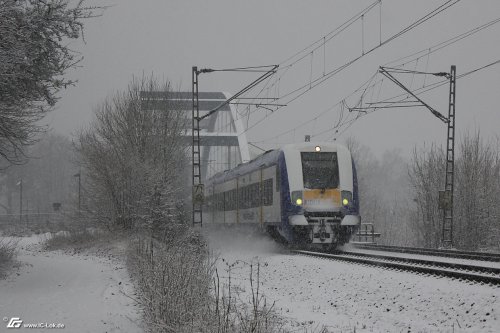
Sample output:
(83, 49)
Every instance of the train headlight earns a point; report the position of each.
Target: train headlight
(317, 148)
(297, 198)
(346, 198)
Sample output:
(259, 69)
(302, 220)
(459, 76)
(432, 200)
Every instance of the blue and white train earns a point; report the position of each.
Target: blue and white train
(307, 193)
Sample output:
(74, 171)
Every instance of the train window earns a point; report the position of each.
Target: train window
(250, 196)
(267, 193)
(248, 201)
(255, 195)
(244, 197)
(259, 194)
(233, 199)
(241, 198)
(227, 203)
(278, 179)
(320, 170)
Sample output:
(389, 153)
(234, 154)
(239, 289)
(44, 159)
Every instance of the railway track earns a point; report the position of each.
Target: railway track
(481, 274)
(470, 255)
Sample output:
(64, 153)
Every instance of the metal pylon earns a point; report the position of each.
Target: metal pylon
(447, 238)
(197, 194)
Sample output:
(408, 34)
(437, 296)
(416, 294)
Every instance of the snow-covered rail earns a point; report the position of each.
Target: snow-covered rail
(467, 272)
(485, 256)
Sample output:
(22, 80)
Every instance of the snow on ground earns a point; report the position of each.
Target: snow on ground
(314, 293)
(85, 292)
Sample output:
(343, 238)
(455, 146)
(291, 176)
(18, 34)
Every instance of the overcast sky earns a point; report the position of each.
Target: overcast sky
(167, 38)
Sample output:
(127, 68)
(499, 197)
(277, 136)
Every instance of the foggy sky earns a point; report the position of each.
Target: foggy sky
(167, 38)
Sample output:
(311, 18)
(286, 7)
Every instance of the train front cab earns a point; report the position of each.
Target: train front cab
(320, 206)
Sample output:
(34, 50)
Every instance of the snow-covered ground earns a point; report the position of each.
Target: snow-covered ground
(84, 292)
(314, 293)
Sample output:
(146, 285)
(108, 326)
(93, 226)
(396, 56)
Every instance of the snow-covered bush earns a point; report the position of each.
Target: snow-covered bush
(7, 253)
(76, 238)
(180, 291)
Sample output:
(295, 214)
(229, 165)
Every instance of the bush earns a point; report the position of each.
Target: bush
(7, 253)
(180, 290)
(82, 238)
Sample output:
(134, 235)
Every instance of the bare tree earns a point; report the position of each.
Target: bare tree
(477, 189)
(477, 213)
(134, 157)
(426, 177)
(34, 56)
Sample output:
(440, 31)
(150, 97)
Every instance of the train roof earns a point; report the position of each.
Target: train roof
(266, 159)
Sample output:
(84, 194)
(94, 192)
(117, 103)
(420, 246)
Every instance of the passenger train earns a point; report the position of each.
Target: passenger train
(305, 193)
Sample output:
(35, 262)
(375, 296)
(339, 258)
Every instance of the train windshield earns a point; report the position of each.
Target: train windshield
(320, 170)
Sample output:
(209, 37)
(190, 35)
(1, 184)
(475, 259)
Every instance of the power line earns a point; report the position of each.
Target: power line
(321, 113)
(329, 36)
(427, 51)
(419, 54)
(349, 122)
(316, 82)
(432, 87)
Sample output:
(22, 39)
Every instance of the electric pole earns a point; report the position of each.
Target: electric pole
(446, 196)
(447, 203)
(198, 187)
(197, 194)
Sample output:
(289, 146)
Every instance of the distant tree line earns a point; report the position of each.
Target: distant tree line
(476, 197)
(47, 178)
(400, 197)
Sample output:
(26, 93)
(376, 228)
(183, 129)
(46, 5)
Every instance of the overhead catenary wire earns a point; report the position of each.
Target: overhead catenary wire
(327, 75)
(331, 34)
(300, 91)
(441, 82)
(324, 112)
(431, 87)
(359, 113)
(428, 51)
(411, 57)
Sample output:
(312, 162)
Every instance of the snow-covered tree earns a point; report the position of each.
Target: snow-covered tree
(426, 173)
(34, 56)
(134, 157)
(476, 206)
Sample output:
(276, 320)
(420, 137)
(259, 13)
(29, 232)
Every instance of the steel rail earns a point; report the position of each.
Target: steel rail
(471, 255)
(425, 262)
(445, 272)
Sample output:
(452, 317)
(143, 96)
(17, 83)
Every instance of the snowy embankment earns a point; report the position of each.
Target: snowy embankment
(84, 292)
(317, 293)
